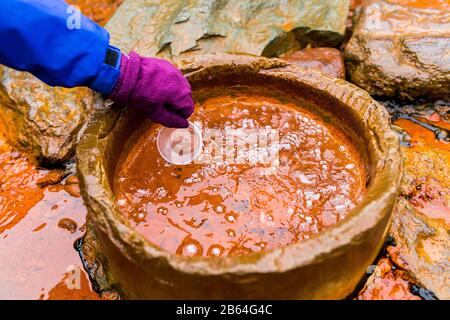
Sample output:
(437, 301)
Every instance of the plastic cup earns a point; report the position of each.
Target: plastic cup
(180, 146)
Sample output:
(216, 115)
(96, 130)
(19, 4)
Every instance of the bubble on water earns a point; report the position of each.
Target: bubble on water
(231, 233)
(191, 249)
(215, 250)
(162, 210)
(219, 209)
(230, 218)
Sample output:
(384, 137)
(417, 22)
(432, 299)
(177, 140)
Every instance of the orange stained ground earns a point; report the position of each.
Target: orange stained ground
(220, 207)
(429, 200)
(387, 284)
(98, 10)
(423, 139)
(430, 4)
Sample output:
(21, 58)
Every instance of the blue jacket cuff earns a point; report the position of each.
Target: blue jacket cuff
(108, 75)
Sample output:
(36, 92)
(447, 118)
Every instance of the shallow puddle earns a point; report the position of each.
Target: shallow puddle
(38, 227)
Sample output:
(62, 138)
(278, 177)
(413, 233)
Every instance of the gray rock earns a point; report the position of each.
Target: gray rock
(400, 51)
(172, 29)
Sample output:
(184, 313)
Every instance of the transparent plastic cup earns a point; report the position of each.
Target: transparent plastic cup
(180, 146)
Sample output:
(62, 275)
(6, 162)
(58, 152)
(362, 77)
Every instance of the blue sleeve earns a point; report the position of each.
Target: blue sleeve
(56, 44)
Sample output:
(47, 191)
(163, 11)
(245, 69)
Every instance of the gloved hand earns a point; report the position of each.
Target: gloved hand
(155, 87)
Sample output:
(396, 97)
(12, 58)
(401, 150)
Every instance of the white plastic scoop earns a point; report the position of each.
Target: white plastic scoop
(180, 146)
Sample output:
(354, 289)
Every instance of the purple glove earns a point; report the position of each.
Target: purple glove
(155, 87)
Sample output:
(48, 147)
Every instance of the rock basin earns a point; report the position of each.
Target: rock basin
(326, 266)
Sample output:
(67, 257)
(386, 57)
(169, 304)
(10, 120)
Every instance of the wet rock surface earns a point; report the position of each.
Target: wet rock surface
(173, 28)
(422, 248)
(94, 262)
(421, 220)
(400, 50)
(43, 121)
(326, 60)
(387, 283)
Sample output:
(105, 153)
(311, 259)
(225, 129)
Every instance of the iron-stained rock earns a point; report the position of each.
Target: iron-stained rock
(43, 121)
(174, 28)
(422, 248)
(421, 220)
(400, 51)
(326, 60)
(386, 283)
